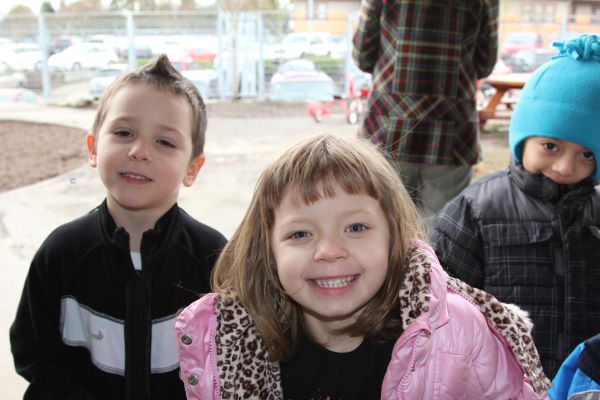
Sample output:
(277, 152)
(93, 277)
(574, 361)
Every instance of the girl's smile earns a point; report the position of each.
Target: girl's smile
(335, 283)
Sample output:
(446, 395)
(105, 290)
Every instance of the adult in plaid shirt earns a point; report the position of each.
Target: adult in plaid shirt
(426, 57)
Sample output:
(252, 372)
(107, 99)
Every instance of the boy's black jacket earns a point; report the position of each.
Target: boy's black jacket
(83, 272)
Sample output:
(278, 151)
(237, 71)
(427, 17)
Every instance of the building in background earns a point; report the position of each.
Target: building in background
(327, 15)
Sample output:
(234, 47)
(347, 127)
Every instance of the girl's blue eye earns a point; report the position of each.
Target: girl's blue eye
(299, 235)
(354, 228)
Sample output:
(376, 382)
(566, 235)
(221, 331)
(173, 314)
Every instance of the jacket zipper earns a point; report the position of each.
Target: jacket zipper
(213, 362)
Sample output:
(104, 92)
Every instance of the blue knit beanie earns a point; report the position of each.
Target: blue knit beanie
(561, 99)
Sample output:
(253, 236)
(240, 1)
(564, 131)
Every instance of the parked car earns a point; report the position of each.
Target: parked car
(520, 41)
(300, 44)
(530, 59)
(297, 66)
(18, 95)
(60, 43)
(10, 78)
(104, 77)
(21, 56)
(205, 80)
(83, 55)
(309, 86)
(141, 44)
(180, 59)
(501, 68)
(185, 51)
(341, 46)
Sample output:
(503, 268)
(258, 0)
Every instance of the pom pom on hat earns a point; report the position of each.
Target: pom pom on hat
(561, 99)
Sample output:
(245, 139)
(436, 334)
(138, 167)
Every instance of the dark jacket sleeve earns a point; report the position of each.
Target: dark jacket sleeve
(35, 338)
(486, 51)
(366, 39)
(457, 242)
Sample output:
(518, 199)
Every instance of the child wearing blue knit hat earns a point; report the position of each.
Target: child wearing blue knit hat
(529, 234)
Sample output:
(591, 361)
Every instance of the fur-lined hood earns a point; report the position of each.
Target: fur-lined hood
(418, 296)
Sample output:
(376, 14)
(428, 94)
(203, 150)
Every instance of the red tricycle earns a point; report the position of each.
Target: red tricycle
(353, 104)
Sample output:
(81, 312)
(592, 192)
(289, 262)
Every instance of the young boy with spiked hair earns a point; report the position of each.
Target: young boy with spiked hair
(96, 318)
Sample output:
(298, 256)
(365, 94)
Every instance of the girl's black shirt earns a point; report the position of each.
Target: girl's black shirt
(316, 373)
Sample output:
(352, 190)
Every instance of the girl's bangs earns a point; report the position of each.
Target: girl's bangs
(318, 178)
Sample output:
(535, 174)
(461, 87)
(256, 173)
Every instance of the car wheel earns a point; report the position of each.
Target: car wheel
(352, 118)
(318, 116)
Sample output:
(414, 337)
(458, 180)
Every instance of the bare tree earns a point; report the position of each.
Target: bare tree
(81, 6)
(116, 5)
(187, 5)
(20, 9)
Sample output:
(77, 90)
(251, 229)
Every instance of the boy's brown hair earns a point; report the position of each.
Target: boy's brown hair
(162, 75)
(310, 169)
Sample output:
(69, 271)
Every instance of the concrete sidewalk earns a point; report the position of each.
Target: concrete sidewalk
(236, 149)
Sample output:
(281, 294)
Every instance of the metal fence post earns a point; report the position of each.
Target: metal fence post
(224, 47)
(261, 57)
(131, 54)
(348, 59)
(42, 43)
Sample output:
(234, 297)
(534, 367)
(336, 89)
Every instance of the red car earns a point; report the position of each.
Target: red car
(184, 58)
(517, 41)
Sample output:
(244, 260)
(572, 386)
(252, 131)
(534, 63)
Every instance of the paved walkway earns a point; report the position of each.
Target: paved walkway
(236, 150)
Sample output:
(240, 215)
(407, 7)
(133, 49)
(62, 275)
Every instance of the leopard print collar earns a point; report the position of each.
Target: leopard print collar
(245, 371)
(506, 319)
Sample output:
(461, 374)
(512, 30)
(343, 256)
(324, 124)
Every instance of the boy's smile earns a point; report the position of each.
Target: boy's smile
(332, 255)
(564, 162)
(143, 149)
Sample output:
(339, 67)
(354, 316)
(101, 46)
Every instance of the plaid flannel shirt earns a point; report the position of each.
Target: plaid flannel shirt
(425, 57)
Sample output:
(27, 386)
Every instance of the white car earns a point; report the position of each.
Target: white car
(10, 78)
(83, 56)
(104, 77)
(21, 56)
(205, 80)
(300, 44)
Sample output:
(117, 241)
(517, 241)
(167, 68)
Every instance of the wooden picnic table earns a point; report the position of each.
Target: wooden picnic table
(502, 83)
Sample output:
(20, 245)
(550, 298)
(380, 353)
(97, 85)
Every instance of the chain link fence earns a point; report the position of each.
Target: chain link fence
(254, 55)
(250, 54)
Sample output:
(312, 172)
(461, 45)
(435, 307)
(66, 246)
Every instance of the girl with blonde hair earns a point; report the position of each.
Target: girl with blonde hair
(327, 290)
